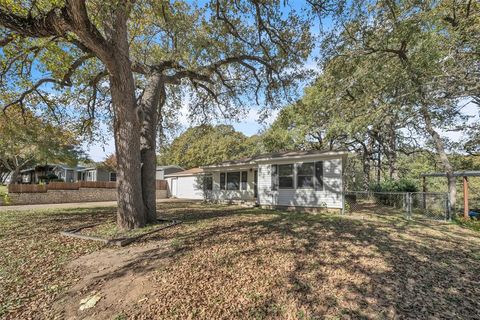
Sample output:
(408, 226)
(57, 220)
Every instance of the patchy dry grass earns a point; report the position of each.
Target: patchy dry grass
(110, 230)
(232, 262)
(34, 255)
(468, 223)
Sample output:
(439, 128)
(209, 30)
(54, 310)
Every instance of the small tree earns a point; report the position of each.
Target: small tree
(28, 140)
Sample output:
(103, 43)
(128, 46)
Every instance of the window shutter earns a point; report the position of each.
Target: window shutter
(319, 175)
(274, 177)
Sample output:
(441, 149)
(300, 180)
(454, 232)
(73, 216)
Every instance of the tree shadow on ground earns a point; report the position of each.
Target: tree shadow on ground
(316, 265)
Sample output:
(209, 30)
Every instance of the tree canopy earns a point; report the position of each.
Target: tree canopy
(132, 58)
(28, 140)
(207, 144)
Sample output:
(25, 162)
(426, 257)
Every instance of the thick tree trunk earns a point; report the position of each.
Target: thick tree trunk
(152, 100)
(127, 144)
(440, 148)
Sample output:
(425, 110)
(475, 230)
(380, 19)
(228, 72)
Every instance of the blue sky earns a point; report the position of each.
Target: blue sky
(248, 125)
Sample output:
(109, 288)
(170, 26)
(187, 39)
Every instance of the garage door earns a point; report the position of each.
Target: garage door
(188, 188)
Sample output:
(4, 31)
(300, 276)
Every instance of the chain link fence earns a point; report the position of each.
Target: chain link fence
(410, 205)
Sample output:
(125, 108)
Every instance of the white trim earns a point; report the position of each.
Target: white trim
(307, 156)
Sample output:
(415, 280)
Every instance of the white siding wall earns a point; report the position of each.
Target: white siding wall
(225, 195)
(188, 187)
(330, 196)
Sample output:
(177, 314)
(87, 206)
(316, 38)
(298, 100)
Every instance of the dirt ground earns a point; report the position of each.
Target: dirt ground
(229, 262)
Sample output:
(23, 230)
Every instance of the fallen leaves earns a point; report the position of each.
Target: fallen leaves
(229, 262)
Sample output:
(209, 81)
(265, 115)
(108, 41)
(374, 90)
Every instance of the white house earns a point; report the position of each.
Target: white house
(287, 179)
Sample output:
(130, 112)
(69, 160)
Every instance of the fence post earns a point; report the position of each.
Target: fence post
(448, 213)
(409, 205)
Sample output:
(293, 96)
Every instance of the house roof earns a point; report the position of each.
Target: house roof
(189, 172)
(277, 155)
(52, 166)
(168, 167)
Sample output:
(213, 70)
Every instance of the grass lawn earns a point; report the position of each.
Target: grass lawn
(231, 262)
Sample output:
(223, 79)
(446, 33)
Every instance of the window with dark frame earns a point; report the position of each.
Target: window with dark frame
(113, 176)
(244, 180)
(208, 183)
(222, 180)
(285, 176)
(305, 175)
(233, 180)
(319, 175)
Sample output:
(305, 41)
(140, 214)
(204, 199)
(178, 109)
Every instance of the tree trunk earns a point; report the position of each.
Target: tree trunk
(440, 148)
(152, 100)
(14, 177)
(127, 144)
(392, 151)
(379, 164)
(366, 167)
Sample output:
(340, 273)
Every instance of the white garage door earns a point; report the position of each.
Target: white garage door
(187, 188)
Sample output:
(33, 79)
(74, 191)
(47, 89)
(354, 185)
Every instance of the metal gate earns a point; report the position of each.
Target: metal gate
(411, 205)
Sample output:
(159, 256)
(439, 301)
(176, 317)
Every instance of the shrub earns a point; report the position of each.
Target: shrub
(401, 185)
(49, 177)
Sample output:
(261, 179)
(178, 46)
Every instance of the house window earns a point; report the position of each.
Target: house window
(305, 175)
(244, 180)
(233, 180)
(285, 176)
(222, 180)
(113, 176)
(208, 183)
(319, 175)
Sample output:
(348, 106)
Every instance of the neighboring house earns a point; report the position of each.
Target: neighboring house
(68, 174)
(96, 173)
(6, 178)
(286, 179)
(37, 173)
(162, 171)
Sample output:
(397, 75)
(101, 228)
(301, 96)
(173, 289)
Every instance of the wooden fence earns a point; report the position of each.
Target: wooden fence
(27, 188)
(38, 188)
(97, 184)
(161, 185)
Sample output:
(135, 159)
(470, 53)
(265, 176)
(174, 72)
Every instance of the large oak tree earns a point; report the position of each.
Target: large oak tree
(132, 54)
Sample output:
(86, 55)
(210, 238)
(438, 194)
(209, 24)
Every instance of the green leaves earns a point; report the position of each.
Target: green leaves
(28, 139)
(205, 144)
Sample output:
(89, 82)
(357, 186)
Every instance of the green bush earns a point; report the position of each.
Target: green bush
(49, 177)
(401, 185)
